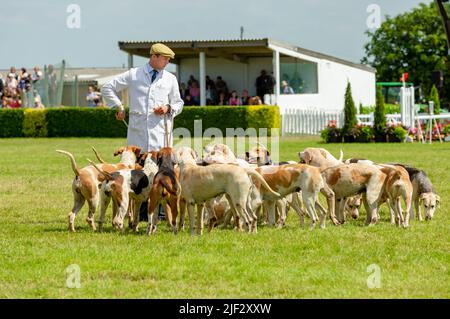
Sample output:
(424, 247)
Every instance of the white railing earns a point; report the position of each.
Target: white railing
(298, 121)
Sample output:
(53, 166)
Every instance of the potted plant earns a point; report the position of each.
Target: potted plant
(331, 134)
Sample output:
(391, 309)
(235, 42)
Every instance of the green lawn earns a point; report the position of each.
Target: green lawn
(36, 248)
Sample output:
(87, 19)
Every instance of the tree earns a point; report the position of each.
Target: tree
(349, 110)
(379, 121)
(434, 96)
(413, 42)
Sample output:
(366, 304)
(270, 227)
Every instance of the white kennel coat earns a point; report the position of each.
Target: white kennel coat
(146, 129)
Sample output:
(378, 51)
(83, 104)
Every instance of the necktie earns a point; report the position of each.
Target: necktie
(154, 75)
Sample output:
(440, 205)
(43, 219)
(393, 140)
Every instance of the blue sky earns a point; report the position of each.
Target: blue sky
(36, 33)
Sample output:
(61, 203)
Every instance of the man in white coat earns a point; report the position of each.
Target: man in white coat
(154, 100)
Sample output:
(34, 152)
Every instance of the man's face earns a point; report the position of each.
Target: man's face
(159, 62)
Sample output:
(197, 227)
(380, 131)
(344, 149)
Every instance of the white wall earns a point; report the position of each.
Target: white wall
(333, 78)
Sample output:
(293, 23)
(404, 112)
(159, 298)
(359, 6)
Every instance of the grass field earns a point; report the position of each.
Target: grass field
(36, 248)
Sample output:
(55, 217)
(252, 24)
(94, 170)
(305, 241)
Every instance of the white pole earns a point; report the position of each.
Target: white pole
(276, 72)
(202, 78)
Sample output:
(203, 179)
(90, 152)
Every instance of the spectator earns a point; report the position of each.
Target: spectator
(194, 92)
(183, 91)
(256, 100)
(188, 101)
(93, 97)
(221, 86)
(287, 89)
(11, 85)
(191, 81)
(210, 95)
(245, 97)
(14, 71)
(37, 100)
(37, 74)
(264, 84)
(2, 86)
(210, 82)
(15, 103)
(234, 99)
(222, 99)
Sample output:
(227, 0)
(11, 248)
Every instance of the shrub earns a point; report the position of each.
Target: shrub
(379, 116)
(446, 130)
(101, 122)
(395, 133)
(349, 110)
(34, 123)
(331, 134)
(11, 122)
(434, 96)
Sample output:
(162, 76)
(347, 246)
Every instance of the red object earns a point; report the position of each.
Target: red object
(404, 77)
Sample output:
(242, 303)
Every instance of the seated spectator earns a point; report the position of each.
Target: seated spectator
(188, 101)
(287, 89)
(23, 79)
(245, 97)
(210, 82)
(234, 99)
(93, 97)
(222, 99)
(5, 102)
(15, 103)
(194, 92)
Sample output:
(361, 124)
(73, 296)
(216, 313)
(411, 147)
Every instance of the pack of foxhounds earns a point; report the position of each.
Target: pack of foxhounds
(222, 189)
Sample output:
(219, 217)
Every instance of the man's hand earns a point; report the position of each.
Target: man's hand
(120, 115)
(160, 110)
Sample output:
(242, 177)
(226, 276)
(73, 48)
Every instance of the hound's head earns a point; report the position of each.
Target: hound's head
(153, 155)
(219, 153)
(353, 205)
(258, 155)
(430, 202)
(129, 149)
(166, 158)
(186, 155)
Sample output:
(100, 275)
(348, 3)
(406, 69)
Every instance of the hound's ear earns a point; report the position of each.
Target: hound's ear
(141, 159)
(136, 150)
(154, 155)
(421, 197)
(307, 157)
(438, 200)
(119, 151)
(267, 153)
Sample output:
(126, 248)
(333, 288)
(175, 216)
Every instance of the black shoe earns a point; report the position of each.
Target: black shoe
(161, 214)
(143, 213)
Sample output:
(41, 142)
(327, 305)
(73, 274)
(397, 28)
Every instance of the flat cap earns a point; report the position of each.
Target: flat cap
(159, 48)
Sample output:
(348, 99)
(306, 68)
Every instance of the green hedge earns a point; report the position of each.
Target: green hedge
(11, 122)
(101, 122)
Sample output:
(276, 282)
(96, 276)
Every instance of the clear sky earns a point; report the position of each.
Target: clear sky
(35, 32)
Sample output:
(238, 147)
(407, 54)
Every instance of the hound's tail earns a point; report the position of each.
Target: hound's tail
(341, 157)
(72, 161)
(105, 174)
(255, 174)
(98, 155)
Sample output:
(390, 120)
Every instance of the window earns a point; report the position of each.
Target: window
(299, 74)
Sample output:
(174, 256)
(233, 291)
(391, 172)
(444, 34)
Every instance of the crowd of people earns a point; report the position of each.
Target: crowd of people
(18, 84)
(217, 92)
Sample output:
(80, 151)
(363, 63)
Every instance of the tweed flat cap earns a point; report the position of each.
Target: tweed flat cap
(159, 48)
